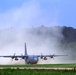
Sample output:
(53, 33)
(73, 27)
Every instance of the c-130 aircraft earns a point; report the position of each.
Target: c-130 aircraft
(30, 59)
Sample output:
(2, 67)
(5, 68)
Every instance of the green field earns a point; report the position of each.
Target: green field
(36, 72)
(8, 71)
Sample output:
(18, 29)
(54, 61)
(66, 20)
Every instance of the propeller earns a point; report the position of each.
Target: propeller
(13, 56)
(41, 56)
(45, 58)
(22, 56)
(16, 58)
(52, 56)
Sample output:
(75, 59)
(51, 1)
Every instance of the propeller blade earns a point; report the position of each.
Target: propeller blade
(11, 59)
(41, 56)
(14, 54)
(21, 54)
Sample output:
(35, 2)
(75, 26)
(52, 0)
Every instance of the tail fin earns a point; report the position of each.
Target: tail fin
(25, 53)
(25, 49)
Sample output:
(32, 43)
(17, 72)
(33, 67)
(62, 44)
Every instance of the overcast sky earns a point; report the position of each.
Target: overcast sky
(33, 13)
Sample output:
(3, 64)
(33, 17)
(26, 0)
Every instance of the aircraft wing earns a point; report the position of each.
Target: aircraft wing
(35, 55)
(51, 56)
(15, 56)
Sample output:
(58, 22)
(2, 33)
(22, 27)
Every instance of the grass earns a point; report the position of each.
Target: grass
(8, 71)
(36, 72)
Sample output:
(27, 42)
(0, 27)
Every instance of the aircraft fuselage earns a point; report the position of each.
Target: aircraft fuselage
(31, 59)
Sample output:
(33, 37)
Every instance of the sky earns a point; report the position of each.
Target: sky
(34, 13)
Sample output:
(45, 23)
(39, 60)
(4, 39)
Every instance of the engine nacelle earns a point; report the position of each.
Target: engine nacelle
(51, 57)
(45, 58)
(16, 59)
(12, 57)
(23, 57)
(41, 57)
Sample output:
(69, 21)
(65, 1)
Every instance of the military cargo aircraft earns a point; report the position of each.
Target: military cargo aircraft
(30, 59)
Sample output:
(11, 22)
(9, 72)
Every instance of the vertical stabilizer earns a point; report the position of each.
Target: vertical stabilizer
(25, 49)
(25, 53)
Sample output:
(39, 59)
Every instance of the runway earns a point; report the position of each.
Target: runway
(38, 68)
